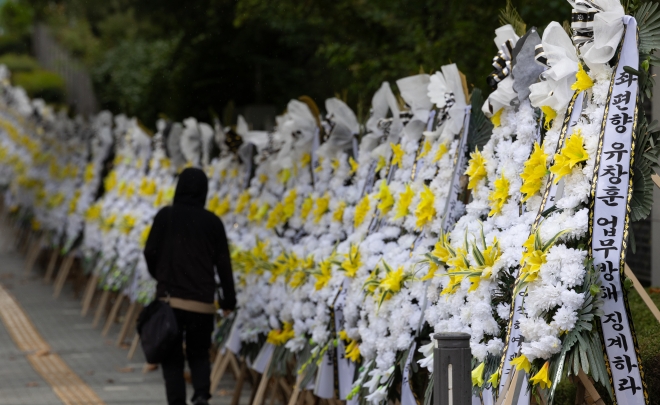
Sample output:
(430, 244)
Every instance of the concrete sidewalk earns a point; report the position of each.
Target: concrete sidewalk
(95, 359)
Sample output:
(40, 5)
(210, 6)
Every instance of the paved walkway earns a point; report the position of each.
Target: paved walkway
(88, 358)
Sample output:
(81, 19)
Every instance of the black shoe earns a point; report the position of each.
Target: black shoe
(200, 401)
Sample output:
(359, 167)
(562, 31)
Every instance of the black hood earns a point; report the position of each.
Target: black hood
(192, 188)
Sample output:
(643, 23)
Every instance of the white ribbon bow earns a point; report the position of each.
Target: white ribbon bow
(555, 89)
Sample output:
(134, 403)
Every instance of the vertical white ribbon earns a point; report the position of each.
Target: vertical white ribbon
(611, 193)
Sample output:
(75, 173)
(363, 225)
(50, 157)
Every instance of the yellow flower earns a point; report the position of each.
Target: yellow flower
(73, 204)
(353, 351)
(441, 250)
(570, 155)
(352, 262)
(381, 163)
(93, 213)
(322, 204)
(110, 182)
(144, 235)
(279, 337)
(305, 160)
(127, 223)
(425, 209)
(494, 379)
(263, 178)
(442, 150)
(405, 198)
(36, 225)
(521, 363)
(306, 207)
(223, 207)
(325, 274)
(275, 217)
(532, 264)
(338, 215)
(433, 267)
(498, 197)
(213, 203)
(386, 201)
(533, 173)
(290, 204)
(478, 375)
(549, 114)
(361, 211)
(541, 377)
(285, 175)
(234, 173)
(476, 169)
(583, 81)
(243, 201)
(109, 222)
(393, 280)
(426, 149)
(253, 210)
(354, 165)
(397, 155)
(261, 213)
(89, 172)
(319, 167)
(335, 164)
(298, 279)
(496, 119)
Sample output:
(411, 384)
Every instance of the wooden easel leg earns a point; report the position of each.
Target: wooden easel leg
(99, 310)
(63, 274)
(48, 277)
(642, 293)
(239, 384)
(285, 389)
(134, 345)
(293, 398)
(309, 398)
(33, 254)
(591, 394)
(263, 384)
(233, 363)
(272, 390)
(216, 364)
(129, 320)
(113, 314)
(222, 367)
(90, 289)
(52, 262)
(579, 395)
(256, 380)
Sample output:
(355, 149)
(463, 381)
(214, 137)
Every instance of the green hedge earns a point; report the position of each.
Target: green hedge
(19, 63)
(42, 84)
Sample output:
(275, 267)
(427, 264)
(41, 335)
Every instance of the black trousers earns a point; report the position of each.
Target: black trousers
(196, 329)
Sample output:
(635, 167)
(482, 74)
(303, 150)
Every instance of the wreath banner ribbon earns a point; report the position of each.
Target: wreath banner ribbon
(611, 193)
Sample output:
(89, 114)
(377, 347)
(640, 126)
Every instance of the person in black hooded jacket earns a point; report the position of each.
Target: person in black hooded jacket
(186, 248)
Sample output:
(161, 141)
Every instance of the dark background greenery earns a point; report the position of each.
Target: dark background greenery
(184, 58)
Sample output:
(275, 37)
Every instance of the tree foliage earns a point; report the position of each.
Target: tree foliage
(208, 52)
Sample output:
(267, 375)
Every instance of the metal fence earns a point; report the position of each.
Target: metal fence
(79, 90)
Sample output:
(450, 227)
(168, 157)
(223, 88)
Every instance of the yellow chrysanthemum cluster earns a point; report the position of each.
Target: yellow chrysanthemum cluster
(535, 169)
(570, 155)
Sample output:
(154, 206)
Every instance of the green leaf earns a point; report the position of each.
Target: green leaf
(509, 15)
(480, 126)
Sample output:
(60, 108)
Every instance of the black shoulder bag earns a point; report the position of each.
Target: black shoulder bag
(157, 324)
